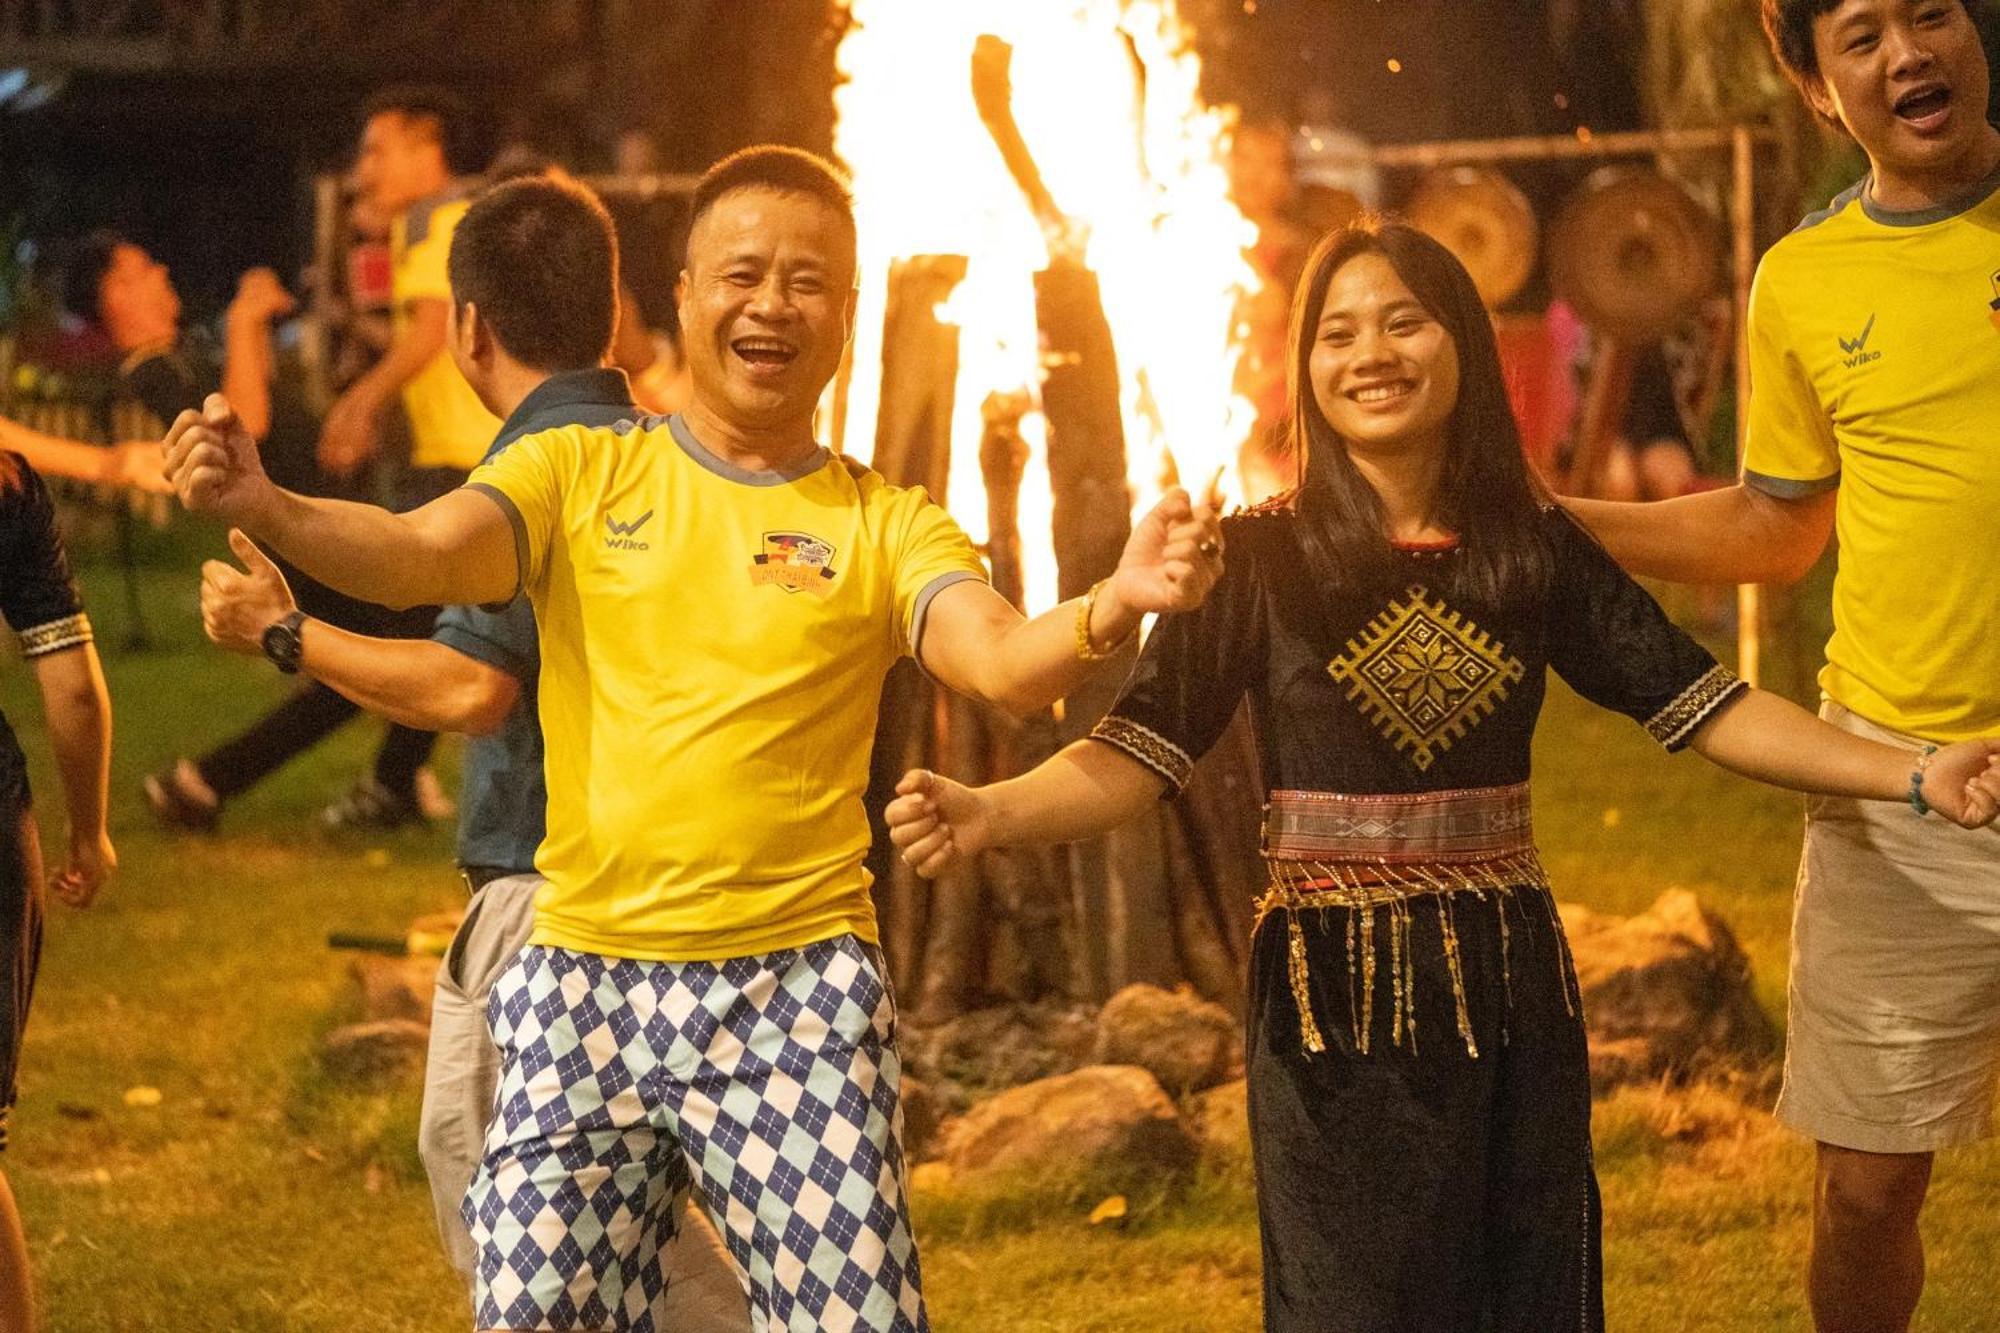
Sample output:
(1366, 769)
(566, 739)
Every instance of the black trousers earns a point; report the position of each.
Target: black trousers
(1414, 1187)
(20, 919)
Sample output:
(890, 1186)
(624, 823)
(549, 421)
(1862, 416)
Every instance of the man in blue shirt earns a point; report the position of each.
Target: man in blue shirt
(533, 314)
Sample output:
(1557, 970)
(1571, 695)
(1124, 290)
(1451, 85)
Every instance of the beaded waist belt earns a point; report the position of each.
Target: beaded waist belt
(1332, 850)
(1435, 828)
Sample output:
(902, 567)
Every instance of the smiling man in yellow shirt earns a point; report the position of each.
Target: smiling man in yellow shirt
(718, 600)
(1875, 392)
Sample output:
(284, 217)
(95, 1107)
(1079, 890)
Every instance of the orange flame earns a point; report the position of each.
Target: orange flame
(1106, 96)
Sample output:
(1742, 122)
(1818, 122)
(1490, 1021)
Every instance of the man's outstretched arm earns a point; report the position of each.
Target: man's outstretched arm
(1737, 534)
(459, 548)
(420, 683)
(975, 642)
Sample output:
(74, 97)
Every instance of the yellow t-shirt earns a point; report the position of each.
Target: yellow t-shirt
(449, 426)
(713, 648)
(1875, 367)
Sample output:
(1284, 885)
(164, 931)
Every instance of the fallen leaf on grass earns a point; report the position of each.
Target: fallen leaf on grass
(371, 1179)
(1112, 1210)
(312, 1154)
(142, 1096)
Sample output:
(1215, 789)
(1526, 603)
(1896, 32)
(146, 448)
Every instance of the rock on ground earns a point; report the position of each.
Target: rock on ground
(1666, 994)
(395, 987)
(379, 1052)
(1186, 1042)
(1102, 1121)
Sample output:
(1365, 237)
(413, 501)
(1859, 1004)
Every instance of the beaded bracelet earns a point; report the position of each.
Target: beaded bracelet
(1086, 651)
(1917, 801)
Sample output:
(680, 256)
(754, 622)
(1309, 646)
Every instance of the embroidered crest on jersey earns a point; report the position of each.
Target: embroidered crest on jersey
(1424, 676)
(796, 562)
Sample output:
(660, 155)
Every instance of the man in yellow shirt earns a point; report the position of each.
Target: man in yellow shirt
(404, 167)
(1875, 366)
(718, 600)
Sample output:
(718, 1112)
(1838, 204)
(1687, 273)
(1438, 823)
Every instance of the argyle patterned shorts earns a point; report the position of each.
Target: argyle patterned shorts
(767, 1084)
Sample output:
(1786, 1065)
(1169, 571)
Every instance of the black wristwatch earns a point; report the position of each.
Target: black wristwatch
(282, 643)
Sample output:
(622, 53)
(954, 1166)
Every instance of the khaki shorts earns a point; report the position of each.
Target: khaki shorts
(1894, 1040)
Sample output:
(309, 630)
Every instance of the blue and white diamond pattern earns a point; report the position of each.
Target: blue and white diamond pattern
(769, 1084)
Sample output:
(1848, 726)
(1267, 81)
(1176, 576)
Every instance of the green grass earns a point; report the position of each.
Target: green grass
(256, 1196)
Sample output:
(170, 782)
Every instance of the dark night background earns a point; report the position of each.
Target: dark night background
(196, 125)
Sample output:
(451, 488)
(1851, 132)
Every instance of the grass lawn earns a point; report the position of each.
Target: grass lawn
(254, 1196)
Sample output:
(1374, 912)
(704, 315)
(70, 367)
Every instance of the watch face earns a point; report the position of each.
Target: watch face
(281, 644)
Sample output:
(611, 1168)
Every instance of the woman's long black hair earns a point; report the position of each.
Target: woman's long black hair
(1487, 493)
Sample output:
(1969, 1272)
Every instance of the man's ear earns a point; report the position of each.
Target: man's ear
(473, 334)
(1820, 98)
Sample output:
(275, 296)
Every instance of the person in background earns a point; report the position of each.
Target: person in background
(403, 167)
(169, 369)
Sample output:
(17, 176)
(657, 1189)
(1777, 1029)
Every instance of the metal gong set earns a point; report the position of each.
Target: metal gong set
(1631, 251)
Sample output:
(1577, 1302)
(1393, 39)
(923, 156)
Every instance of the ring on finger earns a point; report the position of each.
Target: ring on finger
(1210, 548)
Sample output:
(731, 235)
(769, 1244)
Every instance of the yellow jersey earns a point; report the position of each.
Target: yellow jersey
(1875, 368)
(449, 426)
(713, 648)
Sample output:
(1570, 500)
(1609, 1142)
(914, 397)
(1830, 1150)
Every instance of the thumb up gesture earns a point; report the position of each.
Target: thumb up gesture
(238, 605)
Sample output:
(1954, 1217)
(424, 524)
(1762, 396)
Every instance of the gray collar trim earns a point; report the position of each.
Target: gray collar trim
(1924, 217)
(744, 476)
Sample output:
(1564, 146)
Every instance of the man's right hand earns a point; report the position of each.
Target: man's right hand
(260, 297)
(937, 823)
(212, 464)
(347, 436)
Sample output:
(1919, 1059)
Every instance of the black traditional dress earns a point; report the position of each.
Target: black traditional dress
(39, 602)
(1419, 1085)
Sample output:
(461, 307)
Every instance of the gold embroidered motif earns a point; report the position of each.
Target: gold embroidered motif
(57, 634)
(1148, 747)
(1424, 675)
(1673, 724)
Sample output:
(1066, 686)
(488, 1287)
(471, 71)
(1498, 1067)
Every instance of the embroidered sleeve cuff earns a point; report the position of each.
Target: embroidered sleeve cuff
(1150, 748)
(55, 636)
(1674, 726)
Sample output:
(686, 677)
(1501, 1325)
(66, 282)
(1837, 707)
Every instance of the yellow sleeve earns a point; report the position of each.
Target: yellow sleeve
(1791, 451)
(530, 480)
(932, 554)
(421, 275)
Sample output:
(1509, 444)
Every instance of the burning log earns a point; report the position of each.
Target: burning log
(912, 448)
(1079, 360)
(1164, 900)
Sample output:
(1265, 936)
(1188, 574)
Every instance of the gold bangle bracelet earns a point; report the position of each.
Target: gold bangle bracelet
(1086, 651)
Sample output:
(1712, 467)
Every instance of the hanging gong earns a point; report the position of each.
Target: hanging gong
(1478, 215)
(1632, 253)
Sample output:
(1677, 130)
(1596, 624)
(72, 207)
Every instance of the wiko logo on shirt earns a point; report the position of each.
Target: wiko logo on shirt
(623, 536)
(1857, 348)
